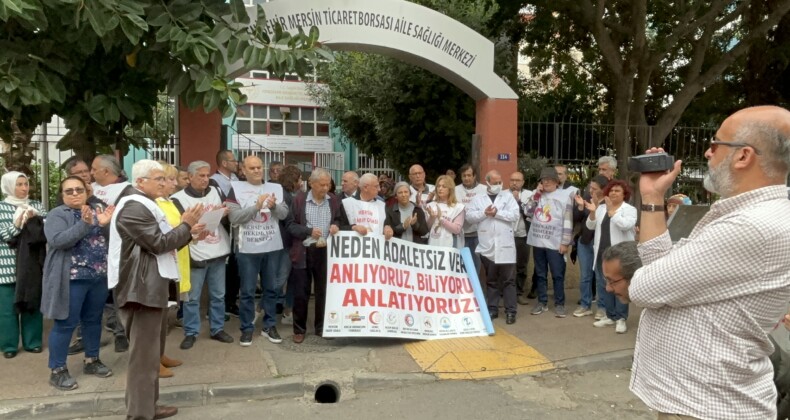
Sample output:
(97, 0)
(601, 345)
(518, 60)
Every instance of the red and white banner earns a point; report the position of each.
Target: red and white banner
(395, 288)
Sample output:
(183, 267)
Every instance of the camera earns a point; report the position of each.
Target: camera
(654, 162)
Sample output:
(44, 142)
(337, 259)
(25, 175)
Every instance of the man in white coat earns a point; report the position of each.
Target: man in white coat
(495, 214)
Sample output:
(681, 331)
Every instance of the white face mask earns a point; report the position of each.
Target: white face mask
(494, 189)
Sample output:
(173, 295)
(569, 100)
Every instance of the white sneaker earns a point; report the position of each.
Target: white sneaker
(603, 322)
(287, 319)
(582, 311)
(621, 328)
(600, 314)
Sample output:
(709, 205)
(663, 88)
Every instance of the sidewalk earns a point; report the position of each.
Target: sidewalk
(214, 371)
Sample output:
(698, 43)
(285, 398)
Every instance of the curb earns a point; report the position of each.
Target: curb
(113, 403)
(602, 361)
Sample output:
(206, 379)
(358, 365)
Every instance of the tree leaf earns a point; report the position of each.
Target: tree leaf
(218, 84)
(126, 108)
(203, 83)
(131, 31)
(239, 10)
(201, 54)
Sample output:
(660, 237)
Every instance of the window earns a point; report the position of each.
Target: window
(280, 120)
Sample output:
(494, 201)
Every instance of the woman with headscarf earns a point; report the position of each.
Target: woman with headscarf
(406, 220)
(75, 279)
(16, 211)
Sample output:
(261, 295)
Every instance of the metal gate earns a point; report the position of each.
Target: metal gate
(334, 162)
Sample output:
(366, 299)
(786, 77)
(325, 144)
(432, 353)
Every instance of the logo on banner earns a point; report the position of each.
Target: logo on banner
(355, 317)
(445, 322)
(392, 318)
(374, 318)
(334, 318)
(409, 319)
(427, 323)
(467, 321)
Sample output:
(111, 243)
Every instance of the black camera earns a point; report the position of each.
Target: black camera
(654, 162)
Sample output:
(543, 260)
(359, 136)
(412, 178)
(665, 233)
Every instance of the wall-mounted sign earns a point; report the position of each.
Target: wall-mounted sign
(503, 156)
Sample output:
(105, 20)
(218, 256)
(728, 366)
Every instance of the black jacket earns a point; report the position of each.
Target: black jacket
(31, 251)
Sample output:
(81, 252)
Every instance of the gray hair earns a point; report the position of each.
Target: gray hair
(142, 168)
(356, 175)
(609, 160)
(72, 162)
(368, 179)
(492, 172)
(400, 185)
(319, 173)
(110, 163)
(198, 164)
(628, 255)
(774, 146)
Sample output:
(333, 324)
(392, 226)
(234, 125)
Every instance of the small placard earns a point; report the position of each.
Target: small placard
(503, 156)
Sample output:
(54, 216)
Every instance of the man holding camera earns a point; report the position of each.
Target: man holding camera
(702, 347)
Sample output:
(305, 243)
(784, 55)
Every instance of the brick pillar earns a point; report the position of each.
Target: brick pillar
(199, 135)
(497, 128)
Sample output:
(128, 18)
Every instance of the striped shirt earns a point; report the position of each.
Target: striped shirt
(7, 232)
(318, 215)
(702, 346)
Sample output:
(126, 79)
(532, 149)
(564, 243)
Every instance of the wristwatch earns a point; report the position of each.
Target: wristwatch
(652, 207)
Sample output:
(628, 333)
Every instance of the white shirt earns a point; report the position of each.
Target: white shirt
(465, 196)
(702, 346)
(495, 234)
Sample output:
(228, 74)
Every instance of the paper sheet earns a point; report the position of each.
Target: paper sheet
(212, 219)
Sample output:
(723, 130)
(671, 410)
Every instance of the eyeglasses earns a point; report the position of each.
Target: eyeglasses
(610, 282)
(74, 191)
(159, 179)
(715, 142)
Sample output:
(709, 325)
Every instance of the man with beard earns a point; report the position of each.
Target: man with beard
(702, 348)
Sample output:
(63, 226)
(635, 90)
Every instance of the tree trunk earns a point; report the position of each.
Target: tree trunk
(622, 138)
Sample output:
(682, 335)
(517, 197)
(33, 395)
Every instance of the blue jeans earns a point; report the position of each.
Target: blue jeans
(614, 308)
(586, 254)
(471, 242)
(214, 274)
(251, 267)
(545, 260)
(86, 306)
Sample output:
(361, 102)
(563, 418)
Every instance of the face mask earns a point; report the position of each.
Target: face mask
(494, 189)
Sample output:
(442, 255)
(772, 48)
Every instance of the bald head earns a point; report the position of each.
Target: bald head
(253, 169)
(417, 176)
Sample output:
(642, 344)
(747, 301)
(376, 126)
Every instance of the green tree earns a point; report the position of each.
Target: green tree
(651, 58)
(406, 114)
(100, 64)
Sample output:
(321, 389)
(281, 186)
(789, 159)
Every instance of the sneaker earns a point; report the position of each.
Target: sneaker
(121, 344)
(60, 379)
(600, 314)
(109, 326)
(559, 311)
(246, 339)
(222, 337)
(188, 342)
(179, 323)
(539, 308)
(582, 311)
(76, 347)
(603, 322)
(96, 368)
(272, 335)
(621, 328)
(287, 319)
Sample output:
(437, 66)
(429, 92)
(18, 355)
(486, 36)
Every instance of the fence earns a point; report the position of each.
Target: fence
(579, 144)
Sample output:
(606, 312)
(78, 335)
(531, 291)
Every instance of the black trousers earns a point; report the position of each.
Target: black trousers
(231, 282)
(522, 260)
(304, 279)
(500, 279)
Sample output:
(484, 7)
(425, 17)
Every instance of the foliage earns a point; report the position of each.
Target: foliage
(650, 58)
(100, 64)
(406, 114)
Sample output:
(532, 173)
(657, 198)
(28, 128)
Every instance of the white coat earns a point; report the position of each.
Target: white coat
(621, 225)
(495, 233)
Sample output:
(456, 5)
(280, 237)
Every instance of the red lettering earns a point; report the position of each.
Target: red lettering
(350, 298)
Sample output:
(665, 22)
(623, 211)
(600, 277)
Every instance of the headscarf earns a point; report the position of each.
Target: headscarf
(9, 186)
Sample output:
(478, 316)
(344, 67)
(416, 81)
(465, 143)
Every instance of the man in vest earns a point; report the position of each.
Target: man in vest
(467, 191)
(495, 213)
(256, 207)
(207, 258)
(550, 236)
(365, 215)
(227, 165)
(312, 214)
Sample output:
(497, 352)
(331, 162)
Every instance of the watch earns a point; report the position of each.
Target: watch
(652, 207)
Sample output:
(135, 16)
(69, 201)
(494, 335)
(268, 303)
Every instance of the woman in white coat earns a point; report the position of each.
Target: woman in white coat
(445, 216)
(613, 222)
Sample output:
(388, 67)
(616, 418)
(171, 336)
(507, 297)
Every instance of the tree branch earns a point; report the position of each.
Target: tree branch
(609, 50)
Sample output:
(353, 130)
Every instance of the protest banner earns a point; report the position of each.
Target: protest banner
(396, 288)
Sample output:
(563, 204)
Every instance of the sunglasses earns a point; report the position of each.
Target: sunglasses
(74, 191)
